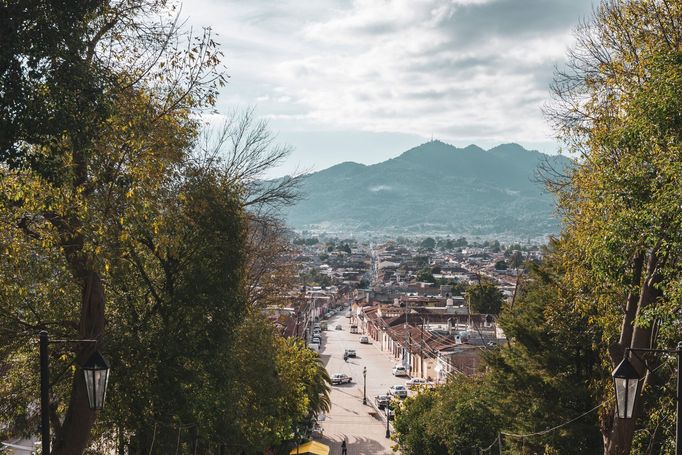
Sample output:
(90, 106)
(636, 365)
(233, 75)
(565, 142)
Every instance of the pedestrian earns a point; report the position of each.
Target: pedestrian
(345, 357)
(344, 449)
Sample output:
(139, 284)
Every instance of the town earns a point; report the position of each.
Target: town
(408, 313)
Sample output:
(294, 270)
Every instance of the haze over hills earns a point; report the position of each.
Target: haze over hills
(433, 188)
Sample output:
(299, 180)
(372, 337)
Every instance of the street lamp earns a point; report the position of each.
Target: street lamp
(626, 382)
(96, 371)
(96, 375)
(388, 410)
(364, 385)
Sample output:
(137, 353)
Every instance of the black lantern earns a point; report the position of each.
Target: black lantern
(96, 371)
(626, 380)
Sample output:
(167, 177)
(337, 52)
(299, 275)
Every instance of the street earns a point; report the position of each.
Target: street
(363, 428)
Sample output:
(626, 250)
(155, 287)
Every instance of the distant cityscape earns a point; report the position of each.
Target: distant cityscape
(413, 298)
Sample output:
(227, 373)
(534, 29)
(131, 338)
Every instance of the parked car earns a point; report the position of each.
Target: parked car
(364, 340)
(338, 327)
(341, 378)
(398, 390)
(416, 382)
(323, 325)
(350, 353)
(314, 346)
(382, 401)
(399, 370)
(317, 340)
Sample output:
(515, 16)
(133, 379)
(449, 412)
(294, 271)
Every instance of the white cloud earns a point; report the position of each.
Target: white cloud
(460, 69)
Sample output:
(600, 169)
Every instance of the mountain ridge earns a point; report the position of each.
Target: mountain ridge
(434, 186)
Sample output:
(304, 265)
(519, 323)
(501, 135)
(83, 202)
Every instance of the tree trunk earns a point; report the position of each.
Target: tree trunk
(74, 436)
(618, 439)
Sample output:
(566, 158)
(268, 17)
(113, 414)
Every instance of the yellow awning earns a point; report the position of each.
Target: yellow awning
(314, 447)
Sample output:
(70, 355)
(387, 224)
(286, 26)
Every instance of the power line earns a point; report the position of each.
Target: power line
(549, 430)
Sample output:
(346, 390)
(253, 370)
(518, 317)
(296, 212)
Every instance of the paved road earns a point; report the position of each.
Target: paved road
(362, 427)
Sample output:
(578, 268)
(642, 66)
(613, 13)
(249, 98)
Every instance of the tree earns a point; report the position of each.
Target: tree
(617, 105)
(455, 418)
(501, 265)
(428, 243)
(485, 298)
(461, 242)
(69, 159)
(516, 260)
(412, 425)
(426, 276)
(106, 181)
(551, 354)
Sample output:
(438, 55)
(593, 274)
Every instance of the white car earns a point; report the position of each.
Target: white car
(399, 370)
(398, 390)
(364, 340)
(314, 346)
(340, 378)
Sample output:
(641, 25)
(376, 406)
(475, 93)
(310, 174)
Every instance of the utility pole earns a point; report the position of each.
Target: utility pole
(44, 394)
(407, 334)
(421, 351)
(364, 385)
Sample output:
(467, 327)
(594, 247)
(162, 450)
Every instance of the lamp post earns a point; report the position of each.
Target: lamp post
(364, 385)
(388, 409)
(626, 382)
(96, 375)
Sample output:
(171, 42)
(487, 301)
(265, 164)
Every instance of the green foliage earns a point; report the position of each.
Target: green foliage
(458, 416)
(111, 214)
(485, 298)
(516, 260)
(412, 425)
(421, 261)
(314, 278)
(618, 105)
(428, 243)
(344, 247)
(501, 265)
(426, 276)
(552, 354)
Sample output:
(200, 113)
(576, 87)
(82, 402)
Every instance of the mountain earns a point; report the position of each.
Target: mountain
(433, 188)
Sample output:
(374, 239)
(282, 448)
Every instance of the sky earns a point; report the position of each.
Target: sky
(365, 80)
